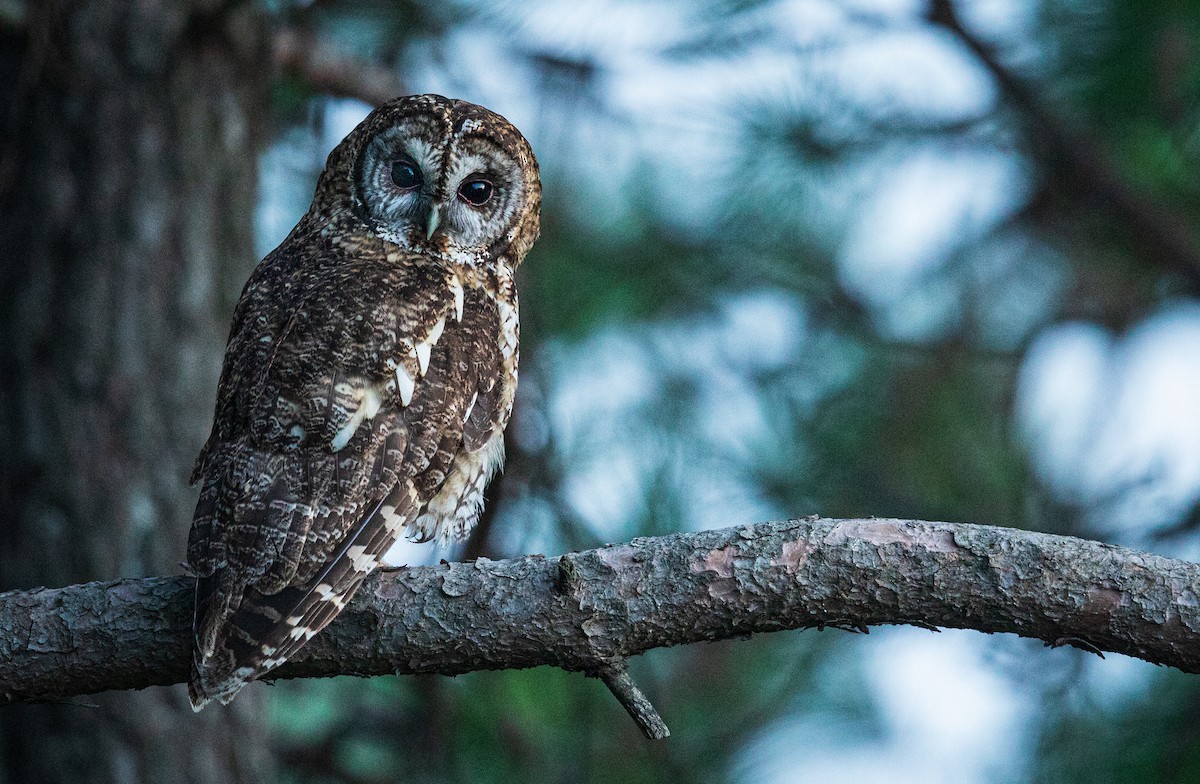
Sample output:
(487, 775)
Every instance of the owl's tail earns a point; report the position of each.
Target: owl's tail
(242, 633)
(214, 673)
(203, 688)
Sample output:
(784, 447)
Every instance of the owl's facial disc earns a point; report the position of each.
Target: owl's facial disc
(398, 177)
(463, 192)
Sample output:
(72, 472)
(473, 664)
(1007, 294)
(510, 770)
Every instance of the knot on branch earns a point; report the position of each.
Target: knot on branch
(612, 671)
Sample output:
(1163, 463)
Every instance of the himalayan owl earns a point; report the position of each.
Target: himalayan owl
(368, 378)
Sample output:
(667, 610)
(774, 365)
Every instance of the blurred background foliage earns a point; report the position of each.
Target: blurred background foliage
(719, 328)
(840, 258)
(889, 258)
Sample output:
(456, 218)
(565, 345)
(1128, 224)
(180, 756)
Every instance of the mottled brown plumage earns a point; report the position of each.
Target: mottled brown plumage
(369, 375)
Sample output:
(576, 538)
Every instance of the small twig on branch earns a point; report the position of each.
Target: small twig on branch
(615, 676)
(590, 611)
(307, 58)
(1163, 233)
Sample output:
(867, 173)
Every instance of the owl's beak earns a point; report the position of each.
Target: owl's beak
(435, 219)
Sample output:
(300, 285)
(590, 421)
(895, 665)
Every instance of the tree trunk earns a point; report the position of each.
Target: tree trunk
(127, 188)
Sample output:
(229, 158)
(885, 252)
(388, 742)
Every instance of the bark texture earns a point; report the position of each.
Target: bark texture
(127, 185)
(588, 611)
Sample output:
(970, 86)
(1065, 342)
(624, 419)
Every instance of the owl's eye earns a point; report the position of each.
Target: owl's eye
(476, 192)
(406, 175)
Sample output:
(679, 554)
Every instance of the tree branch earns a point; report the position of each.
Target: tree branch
(1164, 233)
(590, 611)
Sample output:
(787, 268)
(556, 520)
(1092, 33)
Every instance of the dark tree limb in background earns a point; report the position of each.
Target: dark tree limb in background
(1163, 232)
(325, 69)
(590, 611)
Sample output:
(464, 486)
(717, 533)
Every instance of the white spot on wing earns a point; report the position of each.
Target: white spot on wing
(346, 433)
(371, 402)
(470, 406)
(368, 408)
(404, 384)
(424, 348)
(436, 333)
(360, 559)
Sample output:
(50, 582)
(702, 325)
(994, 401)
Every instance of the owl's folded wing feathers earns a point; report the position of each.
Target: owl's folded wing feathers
(333, 434)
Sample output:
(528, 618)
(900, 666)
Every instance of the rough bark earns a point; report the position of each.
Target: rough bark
(589, 611)
(127, 181)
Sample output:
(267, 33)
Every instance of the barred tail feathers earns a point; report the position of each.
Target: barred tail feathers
(263, 631)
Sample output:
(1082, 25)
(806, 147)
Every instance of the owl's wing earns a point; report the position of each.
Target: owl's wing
(338, 421)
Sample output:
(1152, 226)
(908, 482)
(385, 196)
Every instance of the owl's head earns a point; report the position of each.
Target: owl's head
(441, 177)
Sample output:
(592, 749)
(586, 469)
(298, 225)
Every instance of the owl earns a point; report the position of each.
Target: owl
(368, 378)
